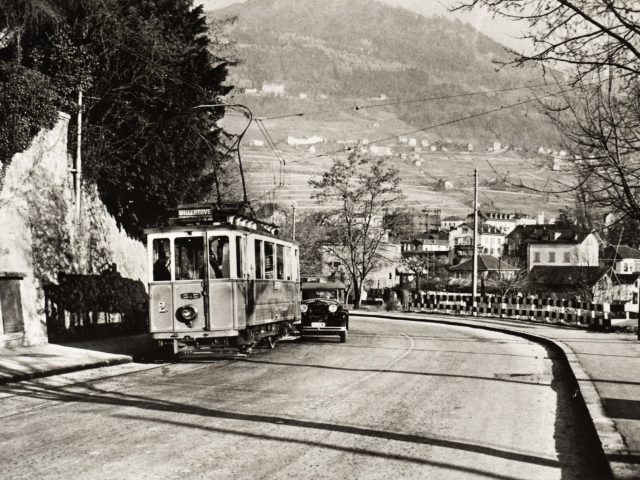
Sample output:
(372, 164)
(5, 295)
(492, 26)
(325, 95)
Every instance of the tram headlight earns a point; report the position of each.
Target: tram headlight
(304, 308)
(187, 314)
(333, 308)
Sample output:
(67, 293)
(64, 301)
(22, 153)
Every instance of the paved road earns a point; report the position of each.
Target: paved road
(398, 400)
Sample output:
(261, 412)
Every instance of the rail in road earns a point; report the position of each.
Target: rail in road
(620, 439)
(398, 399)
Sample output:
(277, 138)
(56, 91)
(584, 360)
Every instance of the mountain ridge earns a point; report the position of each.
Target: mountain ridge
(361, 49)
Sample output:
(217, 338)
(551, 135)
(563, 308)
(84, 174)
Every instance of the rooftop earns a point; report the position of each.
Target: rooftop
(486, 263)
(548, 233)
(570, 276)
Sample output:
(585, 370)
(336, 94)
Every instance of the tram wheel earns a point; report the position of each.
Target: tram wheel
(343, 337)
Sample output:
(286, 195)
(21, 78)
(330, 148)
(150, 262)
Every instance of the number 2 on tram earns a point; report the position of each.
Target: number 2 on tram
(219, 278)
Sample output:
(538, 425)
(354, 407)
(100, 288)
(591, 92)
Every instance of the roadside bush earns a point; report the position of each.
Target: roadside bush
(27, 103)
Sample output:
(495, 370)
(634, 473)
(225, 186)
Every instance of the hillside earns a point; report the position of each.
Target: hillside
(342, 52)
(325, 63)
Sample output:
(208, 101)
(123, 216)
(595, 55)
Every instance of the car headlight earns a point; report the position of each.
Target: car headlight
(304, 308)
(333, 308)
(187, 314)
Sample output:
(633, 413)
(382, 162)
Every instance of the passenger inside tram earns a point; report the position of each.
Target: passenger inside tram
(219, 257)
(162, 255)
(161, 267)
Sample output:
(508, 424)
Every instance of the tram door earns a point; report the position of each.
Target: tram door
(188, 270)
(227, 287)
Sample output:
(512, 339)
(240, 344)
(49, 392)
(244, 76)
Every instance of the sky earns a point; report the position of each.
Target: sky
(500, 29)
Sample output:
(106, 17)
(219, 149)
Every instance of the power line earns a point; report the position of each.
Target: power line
(417, 100)
(447, 97)
(449, 122)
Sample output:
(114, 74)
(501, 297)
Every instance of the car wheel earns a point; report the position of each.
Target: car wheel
(343, 337)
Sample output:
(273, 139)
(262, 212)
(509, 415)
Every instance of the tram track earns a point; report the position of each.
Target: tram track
(330, 396)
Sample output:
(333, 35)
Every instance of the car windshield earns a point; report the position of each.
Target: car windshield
(320, 293)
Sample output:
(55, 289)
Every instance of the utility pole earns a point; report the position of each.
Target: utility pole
(293, 236)
(78, 165)
(474, 278)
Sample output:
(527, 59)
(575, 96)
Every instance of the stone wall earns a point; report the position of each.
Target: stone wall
(40, 237)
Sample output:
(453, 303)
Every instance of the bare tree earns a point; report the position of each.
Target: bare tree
(596, 46)
(418, 263)
(356, 192)
(589, 35)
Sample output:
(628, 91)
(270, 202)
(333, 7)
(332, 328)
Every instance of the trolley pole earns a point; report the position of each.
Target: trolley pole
(293, 235)
(474, 278)
(78, 166)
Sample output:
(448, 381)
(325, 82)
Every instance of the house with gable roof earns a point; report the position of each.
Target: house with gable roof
(488, 267)
(624, 262)
(552, 245)
(622, 259)
(585, 283)
(490, 241)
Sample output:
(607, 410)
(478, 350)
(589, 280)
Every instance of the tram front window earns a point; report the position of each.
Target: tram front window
(161, 260)
(189, 258)
(219, 257)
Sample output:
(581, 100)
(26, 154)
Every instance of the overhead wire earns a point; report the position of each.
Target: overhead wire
(416, 100)
(449, 122)
(260, 121)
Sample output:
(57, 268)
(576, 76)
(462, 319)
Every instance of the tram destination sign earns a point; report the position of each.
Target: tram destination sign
(199, 212)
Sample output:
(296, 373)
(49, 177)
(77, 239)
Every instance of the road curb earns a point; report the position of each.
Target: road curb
(20, 377)
(613, 446)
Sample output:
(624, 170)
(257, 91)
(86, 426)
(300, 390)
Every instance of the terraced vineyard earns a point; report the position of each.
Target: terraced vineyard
(268, 181)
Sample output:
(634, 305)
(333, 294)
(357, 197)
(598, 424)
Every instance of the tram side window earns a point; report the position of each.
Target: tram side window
(280, 262)
(294, 266)
(287, 264)
(161, 260)
(240, 243)
(258, 257)
(189, 258)
(219, 261)
(268, 260)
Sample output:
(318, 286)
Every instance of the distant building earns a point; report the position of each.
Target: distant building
(413, 142)
(403, 140)
(305, 140)
(451, 222)
(470, 147)
(497, 146)
(424, 143)
(302, 96)
(490, 241)
(276, 89)
(256, 143)
(552, 245)
(586, 283)
(561, 164)
(623, 259)
(489, 267)
(380, 151)
(251, 91)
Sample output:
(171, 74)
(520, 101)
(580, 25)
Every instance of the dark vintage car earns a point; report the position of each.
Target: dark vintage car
(324, 310)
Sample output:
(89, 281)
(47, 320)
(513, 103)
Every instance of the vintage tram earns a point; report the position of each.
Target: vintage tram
(219, 278)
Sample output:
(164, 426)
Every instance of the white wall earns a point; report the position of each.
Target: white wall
(582, 255)
(38, 234)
